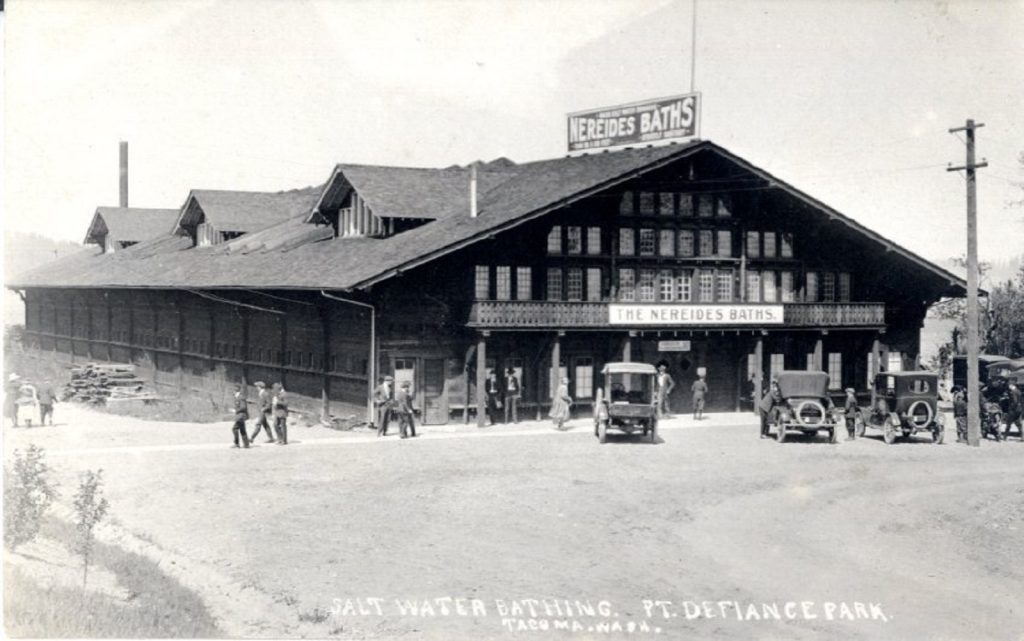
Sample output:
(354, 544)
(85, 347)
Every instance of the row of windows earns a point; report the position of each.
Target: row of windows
(681, 286)
(504, 285)
(684, 243)
(648, 203)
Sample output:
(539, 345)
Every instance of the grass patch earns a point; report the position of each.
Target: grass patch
(159, 606)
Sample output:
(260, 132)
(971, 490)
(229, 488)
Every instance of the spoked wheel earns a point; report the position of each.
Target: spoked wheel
(602, 431)
(780, 433)
(889, 431)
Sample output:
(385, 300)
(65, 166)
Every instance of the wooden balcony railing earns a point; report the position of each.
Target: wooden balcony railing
(593, 315)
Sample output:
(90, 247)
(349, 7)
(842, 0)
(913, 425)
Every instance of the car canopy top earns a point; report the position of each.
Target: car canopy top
(1002, 368)
(629, 368)
(799, 383)
(916, 383)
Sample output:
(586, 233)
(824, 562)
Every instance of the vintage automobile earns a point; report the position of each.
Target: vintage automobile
(985, 361)
(806, 405)
(905, 403)
(628, 401)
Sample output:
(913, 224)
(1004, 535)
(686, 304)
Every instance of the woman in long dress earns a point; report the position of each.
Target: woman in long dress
(560, 407)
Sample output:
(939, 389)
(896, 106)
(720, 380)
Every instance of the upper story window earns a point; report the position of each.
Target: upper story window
(724, 206)
(593, 241)
(503, 282)
(753, 244)
(666, 285)
(648, 203)
(574, 240)
(684, 286)
(666, 242)
(786, 282)
(594, 283)
(768, 283)
(724, 243)
(844, 287)
(574, 284)
(646, 242)
(686, 204)
(706, 286)
(753, 286)
(705, 205)
(646, 286)
(724, 290)
(828, 287)
(786, 245)
(554, 284)
(707, 243)
(555, 240)
(524, 283)
(627, 285)
(626, 244)
(482, 282)
(666, 203)
(685, 243)
(811, 288)
(769, 244)
(626, 204)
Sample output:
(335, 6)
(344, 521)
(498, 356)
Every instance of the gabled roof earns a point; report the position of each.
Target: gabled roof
(413, 192)
(508, 196)
(129, 224)
(247, 211)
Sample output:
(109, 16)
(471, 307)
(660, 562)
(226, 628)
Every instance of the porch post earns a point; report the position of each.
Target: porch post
(556, 361)
(481, 379)
(874, 368)
(627, 348)
(818, 354)
(758, 370)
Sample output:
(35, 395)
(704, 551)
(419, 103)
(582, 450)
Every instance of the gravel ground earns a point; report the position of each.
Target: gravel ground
(708, 534)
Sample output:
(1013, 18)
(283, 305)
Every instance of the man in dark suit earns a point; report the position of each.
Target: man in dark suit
(383, 398)
(512, 393)
(493, 389)
(241, 416)
(403, 409)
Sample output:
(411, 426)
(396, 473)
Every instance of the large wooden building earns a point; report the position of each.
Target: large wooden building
(682, 253)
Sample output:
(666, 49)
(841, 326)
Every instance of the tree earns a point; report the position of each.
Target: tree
(28, 493)
(90, 508)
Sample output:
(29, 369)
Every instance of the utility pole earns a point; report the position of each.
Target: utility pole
(973, 388)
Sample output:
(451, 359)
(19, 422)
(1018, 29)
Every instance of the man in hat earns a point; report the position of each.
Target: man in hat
(769, 402)
(263, 399)
(46, 401)
(279, 405)
(241, 416)
(512, 393)
(699, 389)
(960, 414)
(382, 400)
(403, 409)
(493, 389)
(850, 412)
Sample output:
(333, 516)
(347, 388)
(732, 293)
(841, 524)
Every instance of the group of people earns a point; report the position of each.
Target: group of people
(273, 409)
(505, 394)
(392, 405)
(665, 385)
(1007, 400)
(24, 402)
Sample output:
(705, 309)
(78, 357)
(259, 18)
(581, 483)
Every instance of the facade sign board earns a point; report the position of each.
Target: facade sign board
(694, 315)
(638, 122)
(673, 346)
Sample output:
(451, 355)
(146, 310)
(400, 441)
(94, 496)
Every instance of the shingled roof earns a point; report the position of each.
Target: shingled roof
(129, 224)
(517, 193)
(247, 211)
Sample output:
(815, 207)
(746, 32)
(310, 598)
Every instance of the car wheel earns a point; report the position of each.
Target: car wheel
(602, 431)
(889, 431)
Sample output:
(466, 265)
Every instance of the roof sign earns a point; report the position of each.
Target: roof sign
(676, 117)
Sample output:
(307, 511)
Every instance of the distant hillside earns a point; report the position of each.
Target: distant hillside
(23, 252)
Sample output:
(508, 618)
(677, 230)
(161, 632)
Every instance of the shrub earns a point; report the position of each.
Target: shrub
(28, 493)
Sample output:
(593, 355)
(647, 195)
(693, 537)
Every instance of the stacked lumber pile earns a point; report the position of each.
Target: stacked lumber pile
(101, 383)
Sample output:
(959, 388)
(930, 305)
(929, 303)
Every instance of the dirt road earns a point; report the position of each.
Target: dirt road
(711, 534)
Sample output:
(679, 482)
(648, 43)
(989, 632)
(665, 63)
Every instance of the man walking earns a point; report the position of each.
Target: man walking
(699, 389)
(665, 387)
(512, 392)
(279, 403)
(382, 400)
(768, 403)
(241, 415)
(263, 399)
(46, 402)
(403, 409)
(850, 408)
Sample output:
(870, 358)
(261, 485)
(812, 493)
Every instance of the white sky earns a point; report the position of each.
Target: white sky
(849, 101)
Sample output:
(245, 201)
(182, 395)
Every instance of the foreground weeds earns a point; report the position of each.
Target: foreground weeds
(157, 606)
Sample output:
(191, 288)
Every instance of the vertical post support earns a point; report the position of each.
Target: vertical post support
(758, 370)
(325, 364)
(819, 364)
(481, 380)
(875, 365)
